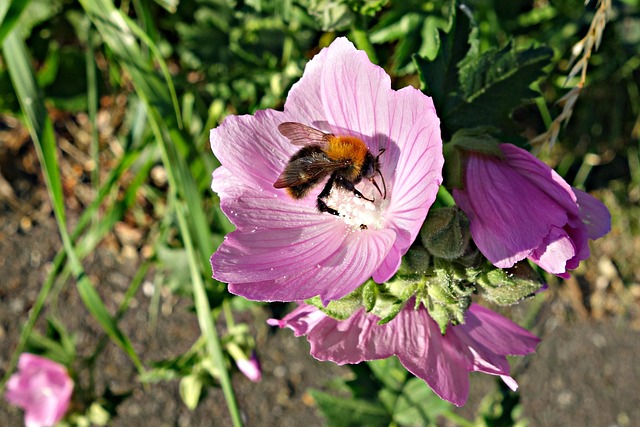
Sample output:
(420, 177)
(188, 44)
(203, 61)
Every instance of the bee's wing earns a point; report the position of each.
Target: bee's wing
(303, 135)
(307, 170)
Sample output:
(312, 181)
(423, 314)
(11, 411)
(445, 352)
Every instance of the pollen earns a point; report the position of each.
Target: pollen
(358, 213)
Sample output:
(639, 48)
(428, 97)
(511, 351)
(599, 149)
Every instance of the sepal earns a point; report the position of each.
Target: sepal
(506, 287)
(445, 233)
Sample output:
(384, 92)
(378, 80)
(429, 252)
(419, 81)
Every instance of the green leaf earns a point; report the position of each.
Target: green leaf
(343, 308)
(478, 140)
(341, 412)
(389, 372)
(493, 83)
(169, 5)
(440, 76)
(11, 15)
(331, 15)
(418, 405)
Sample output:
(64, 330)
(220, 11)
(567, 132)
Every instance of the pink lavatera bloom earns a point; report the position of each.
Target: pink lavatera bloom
(42, 388)
(521, 208)
(285, 249)
(442, 361)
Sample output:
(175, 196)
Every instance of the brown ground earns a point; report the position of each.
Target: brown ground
(585, 371)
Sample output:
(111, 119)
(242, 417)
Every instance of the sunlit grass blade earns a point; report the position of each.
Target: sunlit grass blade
(163, 65)
(10, 18)
(164, 123)
(203, 308)
(41, 130)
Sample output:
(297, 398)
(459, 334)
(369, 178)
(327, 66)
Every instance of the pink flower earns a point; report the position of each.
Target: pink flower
(42, 388)
(284, 249)
(250, 368)
(520, 208)
(443, 362)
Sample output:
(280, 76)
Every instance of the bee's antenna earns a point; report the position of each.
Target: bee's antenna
(384, 185)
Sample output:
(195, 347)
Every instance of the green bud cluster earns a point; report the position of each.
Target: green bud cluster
(442, 270)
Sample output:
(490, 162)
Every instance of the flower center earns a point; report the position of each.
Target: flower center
(358, 212)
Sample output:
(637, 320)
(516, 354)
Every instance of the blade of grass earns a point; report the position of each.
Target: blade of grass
(122, 42)
(11, 17)
(92, 105)
(203, 310)
(41, 130)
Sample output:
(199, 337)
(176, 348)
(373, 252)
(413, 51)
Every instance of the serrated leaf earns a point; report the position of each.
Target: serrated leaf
(440, 76)
(493, 84)
(341, 412)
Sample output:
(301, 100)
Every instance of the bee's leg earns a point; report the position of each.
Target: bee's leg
(348, 185)
(322, 206)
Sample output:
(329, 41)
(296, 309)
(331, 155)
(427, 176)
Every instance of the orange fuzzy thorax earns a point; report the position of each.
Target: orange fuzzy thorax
(347, 148)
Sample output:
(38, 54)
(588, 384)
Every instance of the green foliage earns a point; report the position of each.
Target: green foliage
(56, 344)
(382, 394)
(472, 88)
(414, 26)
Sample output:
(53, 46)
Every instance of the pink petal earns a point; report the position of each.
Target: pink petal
(541, 175)
(250, 368)
(389, 266)
(509, 215)
(443, 364)
(510, 382)
(311, 275)
(442, 361)
(301, 320)
(418, 172)
(594, 214)
(273, 254)
(354, 94)
(554, 252)
(304, 103)
(252, 147)
(497, 333)
(252, 208)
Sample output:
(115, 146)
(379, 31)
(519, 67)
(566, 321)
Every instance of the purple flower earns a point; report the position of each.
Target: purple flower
(250, 368)
(42, 388)
(520, 208)
(284, 249)
(480, 344)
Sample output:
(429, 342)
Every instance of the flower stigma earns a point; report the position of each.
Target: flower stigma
(356, 212)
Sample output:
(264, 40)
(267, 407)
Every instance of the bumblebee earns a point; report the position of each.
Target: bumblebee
(345, 159)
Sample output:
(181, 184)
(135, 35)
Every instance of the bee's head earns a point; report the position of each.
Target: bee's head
(370, 168)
